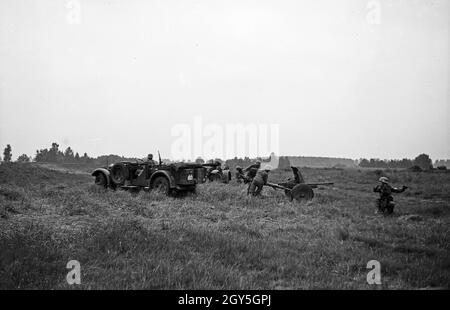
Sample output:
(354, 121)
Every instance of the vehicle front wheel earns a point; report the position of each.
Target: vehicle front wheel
(119, 173)
(161, 184)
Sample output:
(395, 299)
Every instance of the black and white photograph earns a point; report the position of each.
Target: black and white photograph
(224, 149)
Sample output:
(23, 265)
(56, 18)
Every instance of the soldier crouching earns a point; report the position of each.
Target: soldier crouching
(385, 204)
(258, 182)
(240, 176)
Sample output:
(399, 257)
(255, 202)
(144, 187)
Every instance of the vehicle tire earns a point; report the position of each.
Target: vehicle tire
(119, 173)
(100, 180)
(161, 184)
(302, 192)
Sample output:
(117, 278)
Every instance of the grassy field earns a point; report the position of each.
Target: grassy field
(219, 238)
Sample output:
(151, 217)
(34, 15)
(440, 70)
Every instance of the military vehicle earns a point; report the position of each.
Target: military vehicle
(214, 172)
(139, 174)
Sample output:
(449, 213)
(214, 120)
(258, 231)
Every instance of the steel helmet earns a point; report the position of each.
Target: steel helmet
(383, 180)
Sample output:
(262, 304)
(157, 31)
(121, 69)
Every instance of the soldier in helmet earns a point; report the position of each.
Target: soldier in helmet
(386, 202)
(252, 170)
(240, 176)
(150, 159)
(258, 182)
(256, 165)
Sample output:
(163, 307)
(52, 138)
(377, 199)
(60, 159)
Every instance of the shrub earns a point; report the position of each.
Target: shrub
(416, 168)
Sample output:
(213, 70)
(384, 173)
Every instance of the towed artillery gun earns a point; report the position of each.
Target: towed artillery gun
(297, 188)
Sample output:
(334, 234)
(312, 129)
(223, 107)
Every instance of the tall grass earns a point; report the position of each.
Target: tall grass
(219, 238)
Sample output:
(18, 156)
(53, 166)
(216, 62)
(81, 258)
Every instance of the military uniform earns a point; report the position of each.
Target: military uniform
(258, 183)
(150, 160)
(251, 174)
(240, 176)
(254, 166)
(386, 201)
(250, 171)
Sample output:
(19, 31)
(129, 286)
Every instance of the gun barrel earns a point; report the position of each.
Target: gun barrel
(318, 184)
(277, 186)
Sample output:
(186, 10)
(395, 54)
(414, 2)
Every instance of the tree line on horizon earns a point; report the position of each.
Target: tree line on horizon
(55, 155)
(52, 155)
(423, 161)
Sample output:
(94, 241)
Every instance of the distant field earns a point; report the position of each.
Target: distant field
(219, 238)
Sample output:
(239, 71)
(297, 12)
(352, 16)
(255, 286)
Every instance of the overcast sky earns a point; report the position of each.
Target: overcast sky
(118, 76)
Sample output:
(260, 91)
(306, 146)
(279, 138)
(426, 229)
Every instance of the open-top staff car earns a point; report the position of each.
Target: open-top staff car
(167, 178)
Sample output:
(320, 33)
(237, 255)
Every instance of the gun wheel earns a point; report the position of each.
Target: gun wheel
(302, 192)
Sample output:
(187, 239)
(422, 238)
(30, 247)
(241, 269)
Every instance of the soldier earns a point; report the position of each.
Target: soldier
(256, 165)
(240, 176)
(150, 159)
(259, 181)
(386, 202)
(252, 170)
(141, 169)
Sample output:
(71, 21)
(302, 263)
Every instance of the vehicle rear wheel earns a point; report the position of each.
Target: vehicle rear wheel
(161, 184)
(100, 180)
